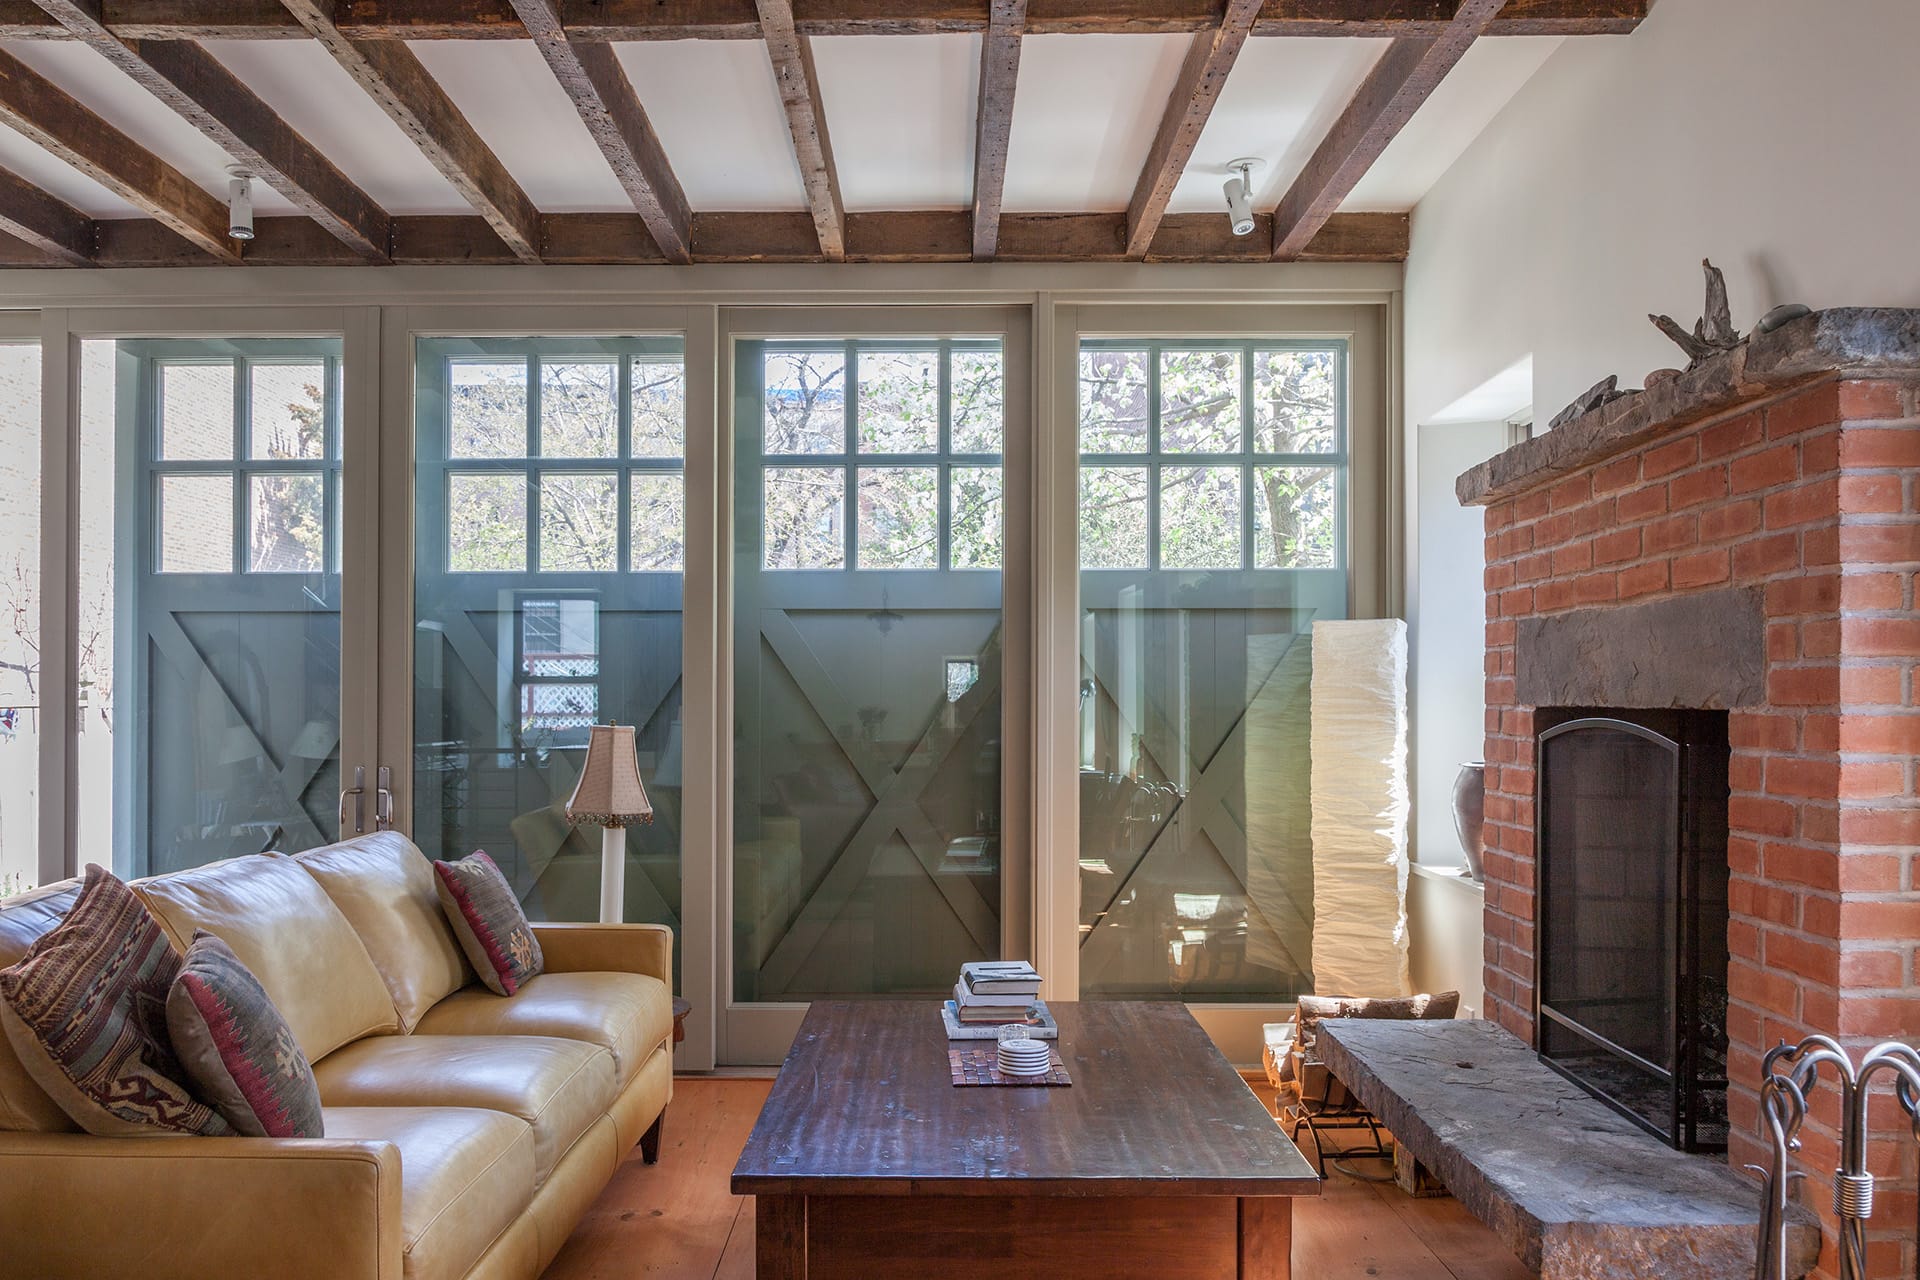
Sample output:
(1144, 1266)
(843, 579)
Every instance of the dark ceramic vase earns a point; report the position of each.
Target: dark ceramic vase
(1470, 814)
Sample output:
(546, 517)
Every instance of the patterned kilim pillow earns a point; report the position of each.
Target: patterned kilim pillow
(237, 1049)
(487, 919)
(86, 1010)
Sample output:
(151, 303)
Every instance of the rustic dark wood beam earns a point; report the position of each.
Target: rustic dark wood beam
(45, 114)
(1203, 75)
(793, 71)
(622, 239)
(50, 225)
(592, 77)
(1410, 70)
(213, 100)
(620, 20)
(393, 77)
(993, 121)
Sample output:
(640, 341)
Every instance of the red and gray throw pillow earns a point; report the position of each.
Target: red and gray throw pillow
(487, 919)
(237, 1049)
(86, 1011)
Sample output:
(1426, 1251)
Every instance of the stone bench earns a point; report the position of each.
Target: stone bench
(1577, 1191)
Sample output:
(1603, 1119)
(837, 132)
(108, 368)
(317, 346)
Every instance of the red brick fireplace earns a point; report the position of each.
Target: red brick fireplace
(1767, 504)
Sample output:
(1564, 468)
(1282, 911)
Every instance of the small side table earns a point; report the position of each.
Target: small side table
(681, 1008)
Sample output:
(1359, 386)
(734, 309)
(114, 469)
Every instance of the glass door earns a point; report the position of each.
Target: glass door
(878, 504)
(550, 554)
(211, 584)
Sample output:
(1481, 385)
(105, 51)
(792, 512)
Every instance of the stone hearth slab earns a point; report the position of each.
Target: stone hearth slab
(1574, 1189)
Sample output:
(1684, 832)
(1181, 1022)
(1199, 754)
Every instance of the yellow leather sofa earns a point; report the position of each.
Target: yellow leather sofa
(466, 1133)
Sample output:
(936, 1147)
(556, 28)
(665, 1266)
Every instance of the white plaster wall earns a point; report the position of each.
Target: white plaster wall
(1774, 136)
(1446, 913)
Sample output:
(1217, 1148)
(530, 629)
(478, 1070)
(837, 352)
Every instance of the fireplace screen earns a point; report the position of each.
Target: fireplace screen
(1633, 914)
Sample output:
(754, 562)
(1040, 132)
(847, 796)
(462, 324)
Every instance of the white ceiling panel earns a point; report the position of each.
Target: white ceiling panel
(717, 110)
(900, 111)
(109, 93)
(509, 96)
(59, 179)
(1447, 123)
(1084, 116)
(1280, 100)
(310, 91)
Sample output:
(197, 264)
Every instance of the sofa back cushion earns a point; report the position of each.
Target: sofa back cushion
(24, 1105)
(384, 886)
(289, 935)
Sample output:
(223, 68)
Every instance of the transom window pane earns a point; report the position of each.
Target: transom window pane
(1296, 518)
(803, 512)
(979, 402)
(805, 402)
(976, 536)
(899, 518)
(196, 412)
(579, 522)
(659, 521)
(196, 524)
(1113, 517)
(286, 522)
(486, 523)
(286, 411)
(1295, 402)
(1200, 401)
(579, 409)
(1200, 518)
(659, 402)
(1113, 401)
(899, 402)
(487, 409)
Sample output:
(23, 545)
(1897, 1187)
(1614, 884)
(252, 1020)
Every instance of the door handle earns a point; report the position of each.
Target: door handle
(358, 791)
(383, 801)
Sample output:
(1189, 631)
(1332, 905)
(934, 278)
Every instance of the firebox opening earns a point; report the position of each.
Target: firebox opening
(1632, 951)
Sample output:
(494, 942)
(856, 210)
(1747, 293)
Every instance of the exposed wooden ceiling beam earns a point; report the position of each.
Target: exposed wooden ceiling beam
(212, 99)
(993, 122)
(622, 239)
(1410, 70)
(45, 114)
(620, 20)
(393, 77)
(50, 225)
(793, 71)
(592, 76)
(1210, 58)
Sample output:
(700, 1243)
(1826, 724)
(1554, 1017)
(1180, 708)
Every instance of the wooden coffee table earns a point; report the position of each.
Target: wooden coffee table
(1157, 1163)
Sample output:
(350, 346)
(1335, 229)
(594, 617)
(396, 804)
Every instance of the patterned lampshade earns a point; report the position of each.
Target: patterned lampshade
(609, 793)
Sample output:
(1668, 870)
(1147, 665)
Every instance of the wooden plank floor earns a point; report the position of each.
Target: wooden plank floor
(677, 1221)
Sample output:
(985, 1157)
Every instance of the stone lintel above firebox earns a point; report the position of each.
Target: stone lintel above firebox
(1862, 340)
(1707, 650)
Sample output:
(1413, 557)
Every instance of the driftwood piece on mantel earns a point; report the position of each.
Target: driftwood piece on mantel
(1840, 341)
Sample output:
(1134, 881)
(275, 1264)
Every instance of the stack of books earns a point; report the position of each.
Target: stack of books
(995, 993)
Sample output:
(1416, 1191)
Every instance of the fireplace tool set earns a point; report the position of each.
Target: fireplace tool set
(1788, 1074)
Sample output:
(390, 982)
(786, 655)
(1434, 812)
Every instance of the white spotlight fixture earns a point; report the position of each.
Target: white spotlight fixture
(1240, 195)
(239, 203)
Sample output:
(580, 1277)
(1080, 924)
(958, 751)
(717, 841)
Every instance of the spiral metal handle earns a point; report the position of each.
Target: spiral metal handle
(1853, 1195)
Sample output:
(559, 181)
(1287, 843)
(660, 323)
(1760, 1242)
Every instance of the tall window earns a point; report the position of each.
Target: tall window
(869, 544)
(1212, 517)
(20, 606)
(549, 552)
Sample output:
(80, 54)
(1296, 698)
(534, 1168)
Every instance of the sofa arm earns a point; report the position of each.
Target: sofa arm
(607, 948)
(76, 1205)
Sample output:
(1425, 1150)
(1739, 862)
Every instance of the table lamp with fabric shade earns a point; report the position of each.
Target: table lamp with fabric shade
(610, 794)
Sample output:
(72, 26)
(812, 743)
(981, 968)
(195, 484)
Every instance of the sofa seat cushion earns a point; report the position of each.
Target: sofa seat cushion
(385, 888)
(289, 935)
(465, 1175)
(627, 1014)
(559, 1087)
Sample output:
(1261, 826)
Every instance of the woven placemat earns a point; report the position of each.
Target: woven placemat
(982, 1066)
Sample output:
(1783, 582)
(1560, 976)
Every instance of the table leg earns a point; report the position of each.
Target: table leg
(780, 1237)
(1266, 1238)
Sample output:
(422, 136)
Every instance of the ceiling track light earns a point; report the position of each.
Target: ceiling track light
(239, 203)
(1239, 190)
